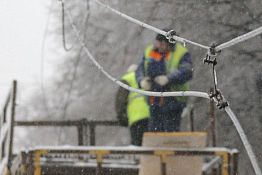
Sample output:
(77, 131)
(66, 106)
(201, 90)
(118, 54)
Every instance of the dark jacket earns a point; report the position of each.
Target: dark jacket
(181, 75)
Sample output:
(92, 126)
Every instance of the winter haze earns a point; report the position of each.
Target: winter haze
(79, 90)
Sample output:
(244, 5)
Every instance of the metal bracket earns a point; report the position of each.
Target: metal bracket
(212, 55)
(219, 99)
(170, 35)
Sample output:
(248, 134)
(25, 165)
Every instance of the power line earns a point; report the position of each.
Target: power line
(177, 38)
(185, 93)
(148, 93)
(63, 27)
(245, 141)
(74, 74)
(240, 39)
(180, 39)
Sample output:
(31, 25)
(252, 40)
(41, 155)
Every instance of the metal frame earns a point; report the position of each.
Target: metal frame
(82, 125)
(7, 123)
(7, 129)
(227, 156)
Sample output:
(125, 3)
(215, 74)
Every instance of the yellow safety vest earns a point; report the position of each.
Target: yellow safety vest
(172, 63)
(137, 107)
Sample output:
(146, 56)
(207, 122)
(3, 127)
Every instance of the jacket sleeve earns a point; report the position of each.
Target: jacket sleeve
(184, 72)
(121, 101)
(140, 72)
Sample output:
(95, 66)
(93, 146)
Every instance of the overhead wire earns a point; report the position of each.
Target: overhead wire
(75, 66)
(177, 38)
(74, 73)
(245, 141)
(63, 28)
(180, 39)
(183, 93)
(148, 93)
(239, 39)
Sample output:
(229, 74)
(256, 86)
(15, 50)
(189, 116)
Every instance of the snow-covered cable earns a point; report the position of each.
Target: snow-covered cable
(180, 39)
(240, 39)
(177, 38)
(164, 94)
(245, 141)
(149, 93)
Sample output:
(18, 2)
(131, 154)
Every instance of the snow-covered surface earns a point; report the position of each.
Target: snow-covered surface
(123, 148)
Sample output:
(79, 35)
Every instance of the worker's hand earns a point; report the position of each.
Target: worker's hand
(146, 84)
(162, 80)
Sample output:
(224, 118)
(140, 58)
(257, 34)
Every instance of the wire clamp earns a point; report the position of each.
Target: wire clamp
(170, 36)
(219, 99)
(212, 55)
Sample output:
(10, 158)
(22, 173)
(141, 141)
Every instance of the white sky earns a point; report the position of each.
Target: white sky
(21, 34)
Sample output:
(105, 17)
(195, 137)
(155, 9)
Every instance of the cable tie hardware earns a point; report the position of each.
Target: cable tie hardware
(170, 36)
(212, 55)
(219, 99)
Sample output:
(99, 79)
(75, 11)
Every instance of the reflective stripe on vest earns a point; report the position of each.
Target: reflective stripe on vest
(172, 63)
(137, 107)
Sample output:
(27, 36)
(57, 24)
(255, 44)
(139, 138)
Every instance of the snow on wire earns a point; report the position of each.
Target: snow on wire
(177, 38)
(148, 93)
(228, 110)
(241, 38)
(245, 141)
(183, 40)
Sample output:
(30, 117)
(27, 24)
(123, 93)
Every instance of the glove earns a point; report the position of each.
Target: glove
(145, 83)
(162, 80)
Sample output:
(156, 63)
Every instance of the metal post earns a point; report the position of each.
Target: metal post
(11, 134)
(3, 149)
(3, 120)
(84, 124)
(85, 135)
(192, 119)
(92, 135)
(229, 163)
(99, 161)
(80, 135)
(6, 107)
(163, 168)
(235, 154)
(99, 168)
(163, 157)
(212, 121)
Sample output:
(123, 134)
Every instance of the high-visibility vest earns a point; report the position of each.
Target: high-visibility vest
(172, 61)
(137, 107)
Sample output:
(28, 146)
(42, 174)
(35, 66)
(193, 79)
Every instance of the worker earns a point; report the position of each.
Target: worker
(165, 67)
(132, 108)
